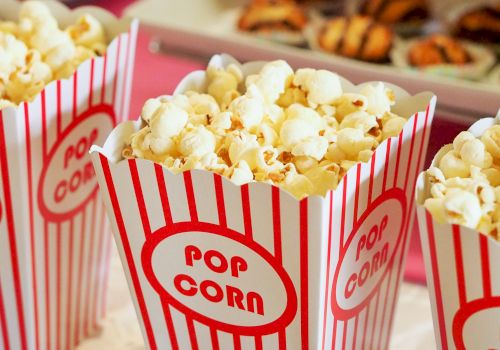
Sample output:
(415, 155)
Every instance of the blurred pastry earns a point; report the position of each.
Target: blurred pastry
(438, 49)
(482, 24)
(358, 37)
(273, 15)
(396, 11)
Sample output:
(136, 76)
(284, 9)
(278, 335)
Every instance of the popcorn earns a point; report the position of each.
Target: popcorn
(35, 51)
(321, 86)
(491, 139)
(465, 185)
(296, 130)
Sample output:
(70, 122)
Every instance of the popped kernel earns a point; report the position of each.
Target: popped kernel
(464, 186)
(296, 130)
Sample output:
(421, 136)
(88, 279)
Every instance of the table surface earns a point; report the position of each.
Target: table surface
(120, 330)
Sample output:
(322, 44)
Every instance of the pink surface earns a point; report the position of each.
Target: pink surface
(157, 74)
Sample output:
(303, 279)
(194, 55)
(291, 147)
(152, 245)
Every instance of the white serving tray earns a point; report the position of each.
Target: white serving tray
(206, 27)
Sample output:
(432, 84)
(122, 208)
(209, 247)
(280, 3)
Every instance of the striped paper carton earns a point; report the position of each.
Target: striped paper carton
(212, 265)
(462, 274)
(54, 241)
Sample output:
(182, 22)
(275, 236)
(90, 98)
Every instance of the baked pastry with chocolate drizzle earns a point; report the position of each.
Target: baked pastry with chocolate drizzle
(273, 15)
(396, 11)
(358, 37)
(438, 49)
(481, 24)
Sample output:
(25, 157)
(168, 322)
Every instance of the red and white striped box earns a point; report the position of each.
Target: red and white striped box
(54, 240)
(462, 276)
(212, 265)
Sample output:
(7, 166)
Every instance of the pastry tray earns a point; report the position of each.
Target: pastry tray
(202, 28)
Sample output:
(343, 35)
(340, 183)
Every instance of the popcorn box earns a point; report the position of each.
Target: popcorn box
(213, 265)
(54, 245)
(461, 264)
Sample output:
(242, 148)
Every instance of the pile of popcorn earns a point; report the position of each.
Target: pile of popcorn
(35, 51)
(297, 130)
(465, 184)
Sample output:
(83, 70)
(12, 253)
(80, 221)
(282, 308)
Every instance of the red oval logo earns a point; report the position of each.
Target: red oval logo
(368, 254)
(477, 325)
(68, 180)
(220, 278)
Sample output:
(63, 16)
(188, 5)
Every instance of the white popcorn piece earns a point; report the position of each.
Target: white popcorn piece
(352, 141)
(202, 104)
(393, 126)
(249, 111)
(461, 138)
(266, 135)
(314, 147)
(435, 175)
(220, 122)
(221, 82)
(290, 96)
(296, 130)
(304, 163)
(149, 109)
(379, 98)
(273, 79)
(493, 176)
(88, 32)
(365, 155)
(197, 142)
(474, 152)
(321, 86)
(324, 178)
(239, 144)
(240, 173)
(462, 207)
(168, 121)
(359, 120)
(452, 166)
(349, 103)
(491, 139)
(309, 115)
(12, 54)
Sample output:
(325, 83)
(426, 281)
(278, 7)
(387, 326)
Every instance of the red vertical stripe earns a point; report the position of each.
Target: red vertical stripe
(188, 183)
(9, 214)
(275, 195)
(386, 166)
(412, 144)
(134, 174)
(355, 333)
(304, 275)
(47, 282)
(59, 112)
(75, 94)
(342, 219)
(365, 327)
(219, 195)
(247, 215)
(459, 263)
(29, 169)
(384, 309)
(103, 83)
(162, 189)
(396, 171)
(88, 269)
(215, 339)
(375, 314)
(58, 286)
(115, 80)
(128, 251)
(372, 175)
(126, 77)
(91, 83)
(69, 286)
(344, 334)
(192, 333)
(485, 264)
(327, 276)
(3, 323)
(356, 197)
(236, 342)
(44, 126)
(258, 342)
(436, 279)
(79, 289)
